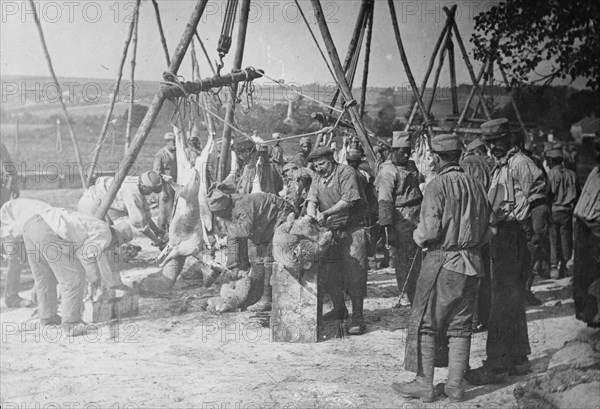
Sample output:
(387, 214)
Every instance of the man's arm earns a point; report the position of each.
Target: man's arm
(430, 224)
(386, 185)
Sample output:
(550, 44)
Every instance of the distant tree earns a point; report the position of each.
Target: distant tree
(139, 112)
(385, 119)
(530, 36)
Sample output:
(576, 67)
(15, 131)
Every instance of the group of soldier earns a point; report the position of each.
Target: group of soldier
(465, 245)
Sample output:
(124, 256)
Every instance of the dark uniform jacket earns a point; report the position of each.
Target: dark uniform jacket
(398, 188)
(564, 188)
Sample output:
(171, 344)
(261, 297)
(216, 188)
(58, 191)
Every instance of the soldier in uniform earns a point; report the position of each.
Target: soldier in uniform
(399, 200)
(336, 200)
(301, 158)
(165, 163)
(517, 187)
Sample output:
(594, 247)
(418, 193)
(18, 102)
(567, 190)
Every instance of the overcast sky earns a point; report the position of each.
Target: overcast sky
(86, 38)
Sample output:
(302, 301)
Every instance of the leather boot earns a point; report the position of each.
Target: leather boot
(339, 311)
(422, 386)
(357, 325)
(458, 361)
(264, 304)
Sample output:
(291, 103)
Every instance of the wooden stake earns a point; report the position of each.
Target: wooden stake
(58, 136)
(58, 89)
(343, 83)
(436, 77)
(161, 32)
(411, 79)
(468, 63)
(237, 64)
(155, 107)
(470, 98)
(132, 92)
(363, 95)
(453, 90)
(102, 135)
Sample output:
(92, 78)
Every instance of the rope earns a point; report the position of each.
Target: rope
(315, 39)
(303, 95)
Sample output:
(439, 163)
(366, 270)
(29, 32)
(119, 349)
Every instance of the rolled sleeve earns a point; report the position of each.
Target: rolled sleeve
(386, 184)
(350, 185)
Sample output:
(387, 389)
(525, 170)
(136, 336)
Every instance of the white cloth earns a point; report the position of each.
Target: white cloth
(15, 213)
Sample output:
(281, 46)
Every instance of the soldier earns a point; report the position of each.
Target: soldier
(564, 189)
(477, 164)
(165, 163)
(276, 155)
(454, 224)
(399, 199)
(253, 166)
(336, 200)
(517, 187)
(13, 215)
(251, 218)
(130, 201)
(301, 158)
(65, 248)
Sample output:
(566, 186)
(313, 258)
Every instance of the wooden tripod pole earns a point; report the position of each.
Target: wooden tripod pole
(468, 63)
(452, 67)
(411, 79)
(365, 78)
(359, 27)
(155, 107)
(229, 115)
(461, 118)
(59, 92)
(490, 73)
(438, 71)
(132, 91)
(514, 104)
(413, 112)
(343, 83)
(161, 32)
(115, 95)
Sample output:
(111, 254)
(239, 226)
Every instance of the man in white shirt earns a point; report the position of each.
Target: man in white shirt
(130, 201)
(13, 216)
(65, 248)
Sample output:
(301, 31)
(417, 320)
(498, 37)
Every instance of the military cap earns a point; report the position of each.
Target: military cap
(276, 135)
(169, 136)
(445, 143)
(554, 153)
(400, 139)
(151, 180)
(123, 231)
(305, 139)
(474, 145)
(218, 201)
(354, 154)
(243, 143)
(495, 129)
(319, 152)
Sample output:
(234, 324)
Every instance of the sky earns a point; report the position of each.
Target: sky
(86, 38)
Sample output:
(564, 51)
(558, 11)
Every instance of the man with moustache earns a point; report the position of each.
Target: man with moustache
(517, 187)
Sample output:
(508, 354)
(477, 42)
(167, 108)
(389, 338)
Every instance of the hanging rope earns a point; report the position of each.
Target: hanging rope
(226, 32)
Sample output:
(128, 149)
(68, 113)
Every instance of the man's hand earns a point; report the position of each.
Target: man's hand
(321, 218)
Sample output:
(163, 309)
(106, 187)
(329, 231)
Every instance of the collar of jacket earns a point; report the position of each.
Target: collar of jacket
(511, 152)
(450, 167)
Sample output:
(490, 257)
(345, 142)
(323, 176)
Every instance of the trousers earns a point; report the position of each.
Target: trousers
(561, 236)
(53, 263)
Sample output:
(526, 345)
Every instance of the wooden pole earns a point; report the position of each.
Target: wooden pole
(155, 107)
(356, 34)
(343, 83)
(161, 32)
(132, 91)
(212, 68)
(104, 129)
(452, 67)
(411, 79)
(237, 64)
(468, 63)
(58, 90)
(490, 74)
(438, 71)
(363, 94)
(470, 98)
(514, 103)
(413, 112)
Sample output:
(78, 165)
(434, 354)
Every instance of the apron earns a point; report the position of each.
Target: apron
(430, 270)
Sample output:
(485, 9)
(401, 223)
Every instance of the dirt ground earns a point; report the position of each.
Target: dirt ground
(175, 354)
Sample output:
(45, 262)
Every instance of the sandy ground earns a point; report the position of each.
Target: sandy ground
(175, 354)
